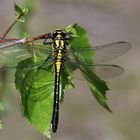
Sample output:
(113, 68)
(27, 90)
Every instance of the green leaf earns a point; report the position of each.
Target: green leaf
(20, 12)
(81, 42)
(98, 87)
(18, 9)
(36, 87)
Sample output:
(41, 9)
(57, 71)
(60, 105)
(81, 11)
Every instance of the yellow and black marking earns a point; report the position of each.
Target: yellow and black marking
(60, 41)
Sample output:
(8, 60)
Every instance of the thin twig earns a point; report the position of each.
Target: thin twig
(11, 26)
(8, 30)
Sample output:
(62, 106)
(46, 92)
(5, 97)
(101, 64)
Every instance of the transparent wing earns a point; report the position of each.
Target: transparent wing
(10, 49)
(108, 71)
(105, 52)
(104, 71)
(19, 52)
(110, 51)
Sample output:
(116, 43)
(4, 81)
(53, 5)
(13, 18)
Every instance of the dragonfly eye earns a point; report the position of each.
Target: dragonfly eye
(54, 35)
(63, 34)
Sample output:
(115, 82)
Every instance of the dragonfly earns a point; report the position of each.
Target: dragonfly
(59, 54)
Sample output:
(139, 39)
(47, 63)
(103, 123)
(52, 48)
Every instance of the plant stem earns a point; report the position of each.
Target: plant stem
(11, 26)
(8, 30)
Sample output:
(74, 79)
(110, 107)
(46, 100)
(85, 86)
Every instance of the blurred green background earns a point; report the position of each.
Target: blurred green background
(81, 117)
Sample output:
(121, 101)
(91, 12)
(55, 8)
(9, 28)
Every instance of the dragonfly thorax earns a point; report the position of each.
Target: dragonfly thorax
(60, 39)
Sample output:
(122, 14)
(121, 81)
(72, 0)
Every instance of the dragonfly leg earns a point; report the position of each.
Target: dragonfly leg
(47, 43)
(49, 58)
(46, 40)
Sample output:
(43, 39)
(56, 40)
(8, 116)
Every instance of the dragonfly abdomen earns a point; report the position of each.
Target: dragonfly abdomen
(58, 64)
(55, 116)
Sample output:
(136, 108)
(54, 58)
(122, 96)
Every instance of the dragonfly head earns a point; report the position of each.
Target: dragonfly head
(59, 33)
(58, 30)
